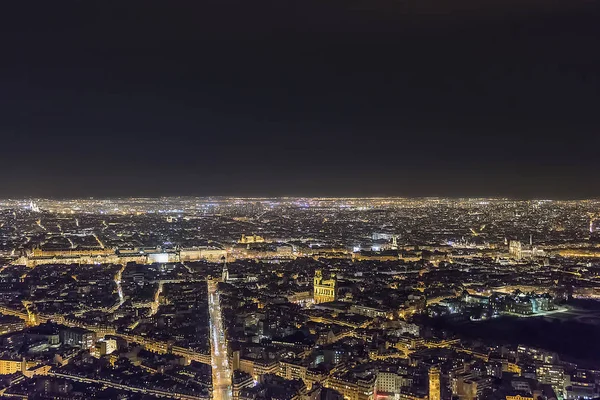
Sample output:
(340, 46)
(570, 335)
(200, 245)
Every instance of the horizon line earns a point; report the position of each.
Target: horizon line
(505, 198)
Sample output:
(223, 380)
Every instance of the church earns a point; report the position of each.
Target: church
(325, 290)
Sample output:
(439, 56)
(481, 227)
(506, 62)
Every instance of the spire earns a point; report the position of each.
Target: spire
(225, 273)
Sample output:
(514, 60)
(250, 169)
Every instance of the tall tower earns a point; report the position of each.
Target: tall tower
(225, 273)
(434, 383)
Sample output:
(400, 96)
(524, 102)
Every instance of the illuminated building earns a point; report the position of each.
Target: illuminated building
(302, 298)
(370, 312)
(251, 239)
(518, 250)
(106, 346)
(8, 324)
(81, 256)
(8, 367)
(264, 251)
(382, 236)
(34, 207)
(386, 255)
(162, 257)
(434, 383)
(390, 384)
(353, 387)
(37, 257)
(515, 249)
(257, 368)
(291, 370)
(324, 290)
(583, 385)
(475, 299)
(519, 397)
(201, 253)
(553, 375)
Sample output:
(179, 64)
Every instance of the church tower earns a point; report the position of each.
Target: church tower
(318, 277)
(324, 290)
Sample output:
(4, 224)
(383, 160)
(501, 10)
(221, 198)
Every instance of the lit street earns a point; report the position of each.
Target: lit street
(220, 364)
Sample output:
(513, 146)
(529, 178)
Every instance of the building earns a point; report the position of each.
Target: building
(240, 380)
(8, 367)
(163, 257)
(273, 387)
(475, 299)
(324, 290)
(384, 255)
(519, 397)
(255, 368)
(391, 383)
(434, 384)
(353, 387)
(515, 249)
(469, 386)
(382, 236)
(78, 337)
(106, 346)
(370, 312)
(319, 392)
(292, 370)
(251, 239)
(518, 250)
(9, 323)
(302, 298)
(520, 305)
(213, 254)
(555, 376)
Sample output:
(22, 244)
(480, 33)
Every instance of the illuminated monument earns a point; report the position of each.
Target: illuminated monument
(324, 289)
(434, 383)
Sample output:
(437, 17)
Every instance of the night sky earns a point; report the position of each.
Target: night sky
(307, 97)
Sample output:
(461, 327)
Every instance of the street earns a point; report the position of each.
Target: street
(220, 364)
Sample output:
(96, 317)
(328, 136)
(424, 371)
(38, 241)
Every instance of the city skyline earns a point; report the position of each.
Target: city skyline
(300, 200)
(300, 298)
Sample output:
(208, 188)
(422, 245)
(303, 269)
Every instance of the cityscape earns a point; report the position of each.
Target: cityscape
(291, 298)
(300, 200)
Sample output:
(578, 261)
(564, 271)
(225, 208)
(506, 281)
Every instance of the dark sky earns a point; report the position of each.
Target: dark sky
(306, 97)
